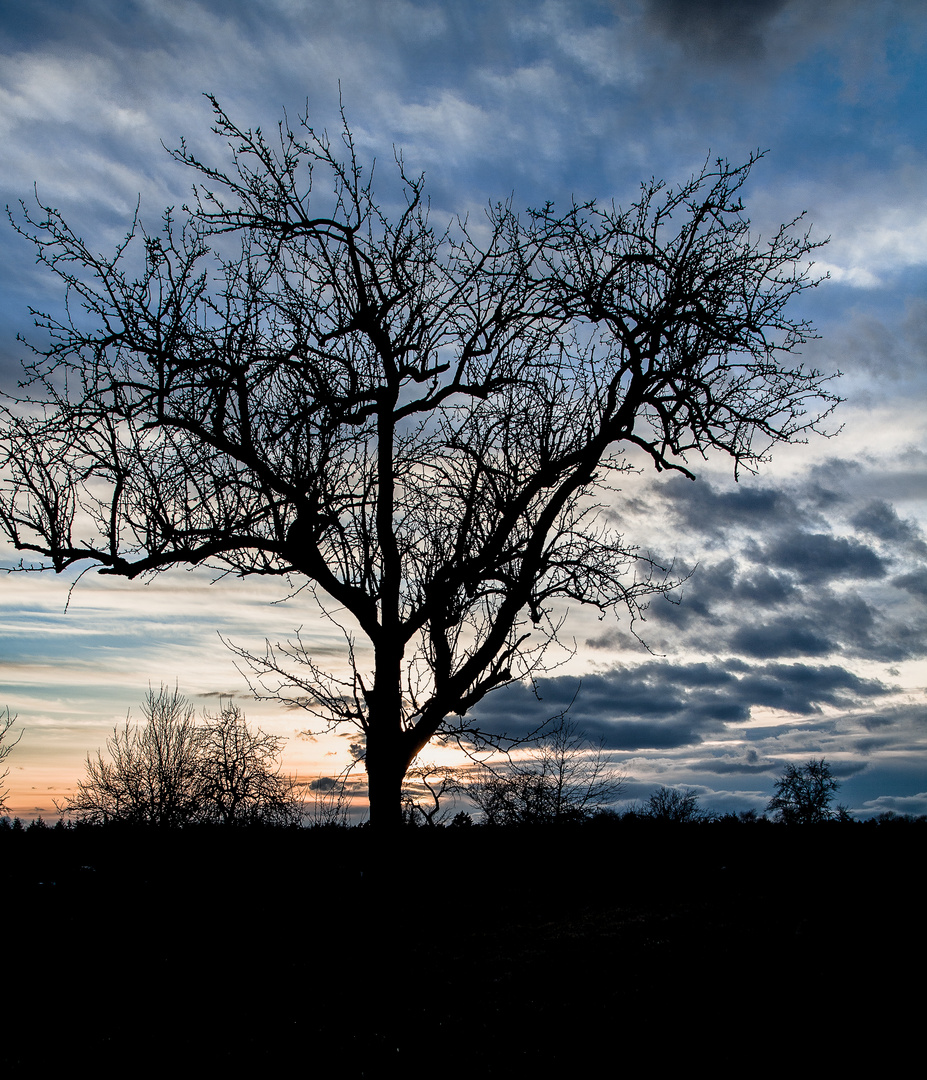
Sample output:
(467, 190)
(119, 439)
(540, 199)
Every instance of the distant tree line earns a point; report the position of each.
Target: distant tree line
(569, 780)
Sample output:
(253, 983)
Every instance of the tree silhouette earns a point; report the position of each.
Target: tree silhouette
(418, 424)
(150, 773)
(240, 775)
(673, 804)
(567, 779)
(171, 771)
(804, 794)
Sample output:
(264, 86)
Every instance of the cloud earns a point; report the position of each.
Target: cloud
(662, 706)
(915, 583)
(903, 539)
(716, 30)
(902, 805)
(726, 766)
(879, 519)
(763, 589)
(875, 229)
(819, 556)
(790, 589)
(886, 355)
(791, 635)
(701, 505)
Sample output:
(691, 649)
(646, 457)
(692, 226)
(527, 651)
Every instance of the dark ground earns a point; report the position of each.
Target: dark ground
(470, 952)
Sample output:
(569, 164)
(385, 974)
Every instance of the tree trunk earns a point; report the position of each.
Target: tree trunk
(388, 755)
(384, 788)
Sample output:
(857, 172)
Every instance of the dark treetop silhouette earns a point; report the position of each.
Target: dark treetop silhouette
(414, 422)
(804, 794)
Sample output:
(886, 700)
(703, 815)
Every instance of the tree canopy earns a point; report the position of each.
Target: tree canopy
(804, 794)
(420, 423)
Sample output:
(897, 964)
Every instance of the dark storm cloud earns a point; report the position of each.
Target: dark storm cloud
(763, 616)
(708, 587)
(909, 718)
(837, 484)
(819, 557)
(915, 583)
(803, 688)
(841, 42)
(829, 483)
(817, 622)
(690, 605)
(879, 519)
(733, 767)
(821, 622)
(786, 636)
(902, 805)
(712, 511)
(715, 29)
(764, 589)
(661, 706)
(811, 575)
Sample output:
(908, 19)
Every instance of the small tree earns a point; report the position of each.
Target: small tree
(151, 771)
(419, 424)
(566, 780)
(240, 775)
(804, 794)
(7, 720)
(171, 771)
(674, 805)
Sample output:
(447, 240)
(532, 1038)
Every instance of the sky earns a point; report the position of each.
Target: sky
(800, 629)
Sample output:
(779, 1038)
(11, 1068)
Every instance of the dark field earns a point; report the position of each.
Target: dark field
(607, 949)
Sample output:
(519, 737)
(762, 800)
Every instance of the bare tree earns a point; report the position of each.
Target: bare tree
(566, 780)
(674, 805)
(804, 794)
(172, 771)
(240, 773)
(150, 773)
(419, 424)
(7, 720)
